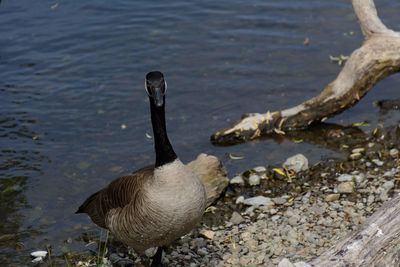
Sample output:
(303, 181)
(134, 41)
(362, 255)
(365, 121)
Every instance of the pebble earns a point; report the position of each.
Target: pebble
(355, 156)
(345, 178)
(302, 264)
(358, 150)
(377, 162)
(388, 185)
(332, 197)
(279, 200)
(254, 179)
(389, 173)
(394, 152)
(236, 218)
(258, 201)
(359, 178)
(296, 163)
(237, 180)
(208, 234)
(260, 169)
(345, 187)
(285, 263)
(239, 200)
(39, 253)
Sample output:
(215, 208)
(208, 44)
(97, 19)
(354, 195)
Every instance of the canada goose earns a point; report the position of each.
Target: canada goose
(156, 204)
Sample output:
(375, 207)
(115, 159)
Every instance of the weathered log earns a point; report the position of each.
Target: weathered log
(376, 243)
(377, 58)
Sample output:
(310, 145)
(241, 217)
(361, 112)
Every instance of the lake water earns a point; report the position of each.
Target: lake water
(74, 113)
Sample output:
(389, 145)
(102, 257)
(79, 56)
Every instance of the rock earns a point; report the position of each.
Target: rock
(345, 187)
(202, 252)
(332, 197)
(358, 150)
(279, 200)
(239, 200)
(260, 169)
(236, 218)
(296, 163)
(285, 263)
(258, 201)
(370, 199)
(237, 180)
(39, 253)
(302, 264)
(207, 234)
(359, 178)
(389, 173)
(383, 196)
(345, 178)
(394, 152)
(116, 260)
(37, 260)
(388, 185)
(377, 162)
(254, 179)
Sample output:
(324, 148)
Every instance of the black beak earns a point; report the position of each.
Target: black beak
(158, 97)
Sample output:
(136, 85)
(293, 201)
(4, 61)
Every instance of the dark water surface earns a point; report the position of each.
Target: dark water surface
(74, 113)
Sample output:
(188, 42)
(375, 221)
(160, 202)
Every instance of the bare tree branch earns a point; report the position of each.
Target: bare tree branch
(378, 57)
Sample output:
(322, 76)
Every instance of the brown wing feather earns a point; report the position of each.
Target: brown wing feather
(117, 194)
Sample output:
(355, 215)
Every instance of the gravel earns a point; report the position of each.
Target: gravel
(289, 230)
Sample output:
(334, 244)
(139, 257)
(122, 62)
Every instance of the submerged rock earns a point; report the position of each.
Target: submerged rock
(296, 163)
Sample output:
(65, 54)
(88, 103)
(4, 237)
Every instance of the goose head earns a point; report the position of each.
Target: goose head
(156, 86)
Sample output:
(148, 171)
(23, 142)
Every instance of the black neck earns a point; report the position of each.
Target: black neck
(164, 151)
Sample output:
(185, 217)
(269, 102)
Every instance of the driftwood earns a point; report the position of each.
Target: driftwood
(377, 243)
(378, 57)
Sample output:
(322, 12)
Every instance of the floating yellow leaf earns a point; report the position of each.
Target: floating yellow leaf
(279, 171)
(298, 140)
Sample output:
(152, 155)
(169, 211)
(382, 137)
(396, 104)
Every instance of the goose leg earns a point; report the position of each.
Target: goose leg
(157, 258)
